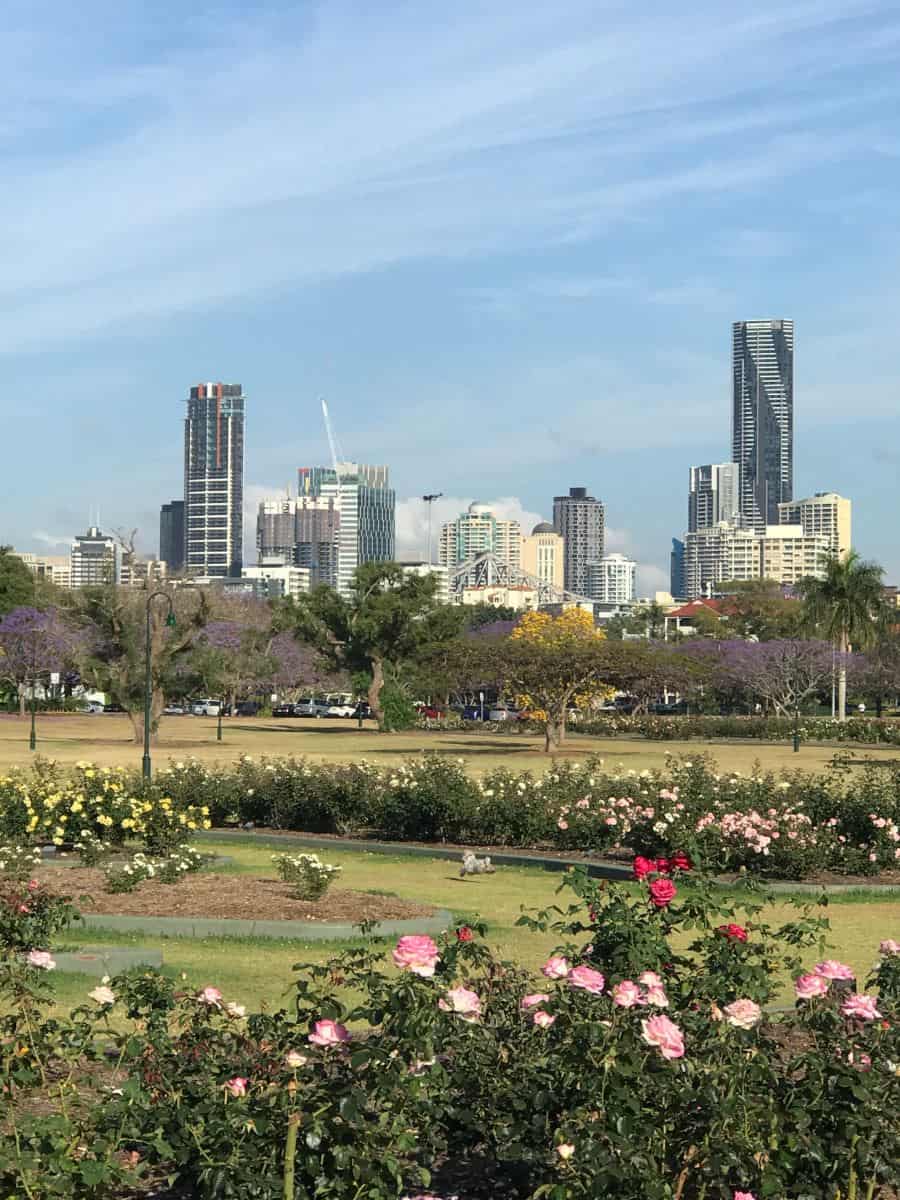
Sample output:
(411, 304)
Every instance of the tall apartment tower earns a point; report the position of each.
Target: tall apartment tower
(171, 535)
(214, 480)
(714, 496)
(579, 519)
(611, 579)
(479, 531)
(366, 504)
(762, 429)
(303, 531)
(825, 514)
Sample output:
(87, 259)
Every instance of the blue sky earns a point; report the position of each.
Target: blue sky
(507, 241)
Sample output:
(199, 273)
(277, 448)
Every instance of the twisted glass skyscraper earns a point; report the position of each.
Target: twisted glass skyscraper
(763, 417)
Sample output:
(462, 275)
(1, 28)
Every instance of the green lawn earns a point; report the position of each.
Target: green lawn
(255, 971)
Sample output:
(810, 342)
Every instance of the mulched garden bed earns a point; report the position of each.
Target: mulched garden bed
(223, 897)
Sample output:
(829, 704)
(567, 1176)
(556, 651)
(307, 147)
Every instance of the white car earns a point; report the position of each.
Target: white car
(206, 708)
(340, 710)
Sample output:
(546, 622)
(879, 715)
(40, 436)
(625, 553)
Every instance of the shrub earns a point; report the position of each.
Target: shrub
(30, 915)
(125, 877)
(19, 862)
(308, 876)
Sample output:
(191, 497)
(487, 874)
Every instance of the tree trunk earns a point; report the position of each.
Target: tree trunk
(550, 734)
(375, 691)
(136, 717)
(842, 679)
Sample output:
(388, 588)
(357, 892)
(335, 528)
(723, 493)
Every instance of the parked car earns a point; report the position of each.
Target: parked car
(429, 711)
(340, 710)
(247, 708)
(362, 711)
(502, 713)
(174, 710)
(283, 710)
(309, 707)
(206, 708)
(93, 706)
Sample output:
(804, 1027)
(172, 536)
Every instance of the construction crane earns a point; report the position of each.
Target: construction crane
(333, 446)
(429, 500)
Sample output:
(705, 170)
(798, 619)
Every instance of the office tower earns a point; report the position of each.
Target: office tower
(676, 569)
(610, 580)
(366, 505)
(479, 531)
(94, 560)
(543, 555)
(579, 519)
(762, 431)
(303, 531)
(714, 495)
(826, 514)
(171, 535)
(214, 480)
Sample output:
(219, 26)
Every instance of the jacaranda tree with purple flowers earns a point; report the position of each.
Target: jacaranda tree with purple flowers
(33, 644)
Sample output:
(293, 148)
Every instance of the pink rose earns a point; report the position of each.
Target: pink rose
(650, 979)
(556, 967)
(681, 861)
(464, 1003)
(562, 824)
(417, 953)
(861, 1007)
(626, 994)
(734, 933)
(889, 946)
(862, 1062)
(329, 1033)
(808, 987)
(743, 1196)
(831, 969)
(587, 979)
(542, 1019)
(565, 1151)
(655, 992)
(659, 1031)
(743, 1014)
(236, 1086)
(642, 866)
(211, 996)
(662, 892)
(42, 959)
(532, 999)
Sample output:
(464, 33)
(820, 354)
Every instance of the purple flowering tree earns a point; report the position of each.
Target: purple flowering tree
(783, 673)
(33, 643)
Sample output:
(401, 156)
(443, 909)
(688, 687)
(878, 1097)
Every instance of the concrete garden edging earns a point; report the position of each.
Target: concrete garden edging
(298, 931)
(105, 960)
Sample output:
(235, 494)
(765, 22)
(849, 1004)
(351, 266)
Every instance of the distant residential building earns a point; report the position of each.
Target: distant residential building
(171, 535)
(763, 417)
(281, 579)
(543, 555)
(826, 514)
(55, 568)
(94, 560)
(610, 580)
(304, 531)
(676, 568)
(478, 531)
(519, 598)
(440, 574)
(214, 480)
(726, 553)
(367, 507)
(580, 520)
(714, 495)
(142, 573)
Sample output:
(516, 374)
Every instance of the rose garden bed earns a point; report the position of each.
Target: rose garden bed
(227, 897)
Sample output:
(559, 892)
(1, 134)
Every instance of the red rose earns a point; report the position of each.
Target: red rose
(464, 934)
(681, 861)
(663, 866)
(734, 933)
(662, 892)
(642, 866)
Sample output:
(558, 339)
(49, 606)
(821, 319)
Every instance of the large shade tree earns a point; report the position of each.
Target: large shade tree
(847, 606)
(33, 644)
(387, 618)
(17, 584)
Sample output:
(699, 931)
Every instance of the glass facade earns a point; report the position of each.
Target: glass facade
(763, 417)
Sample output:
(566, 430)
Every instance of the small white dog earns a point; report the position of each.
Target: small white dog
(473, 865)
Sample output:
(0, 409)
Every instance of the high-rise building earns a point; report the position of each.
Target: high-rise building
(171, 535)
(95, 559)
(610, 580)
(762, 431)
(543, 555)
(366, 504)
(676, 569)
(214, 480)
(725, 553)
(714, 495)
(478, 531)
(788, 554)
(56, 568)
(304, 531)
(826, 514)
(142, 573)
(579, 519)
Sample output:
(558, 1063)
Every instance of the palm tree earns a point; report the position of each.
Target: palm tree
(845, 605)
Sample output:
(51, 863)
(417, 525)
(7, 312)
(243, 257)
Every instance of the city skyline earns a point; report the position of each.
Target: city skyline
(441, 248)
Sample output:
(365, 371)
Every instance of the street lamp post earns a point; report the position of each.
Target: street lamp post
(148, 678)
(32, 740)
(219, 726)
(796, 728)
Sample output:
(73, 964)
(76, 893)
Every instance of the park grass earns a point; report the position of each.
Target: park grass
(106, 739)
(255, 971)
